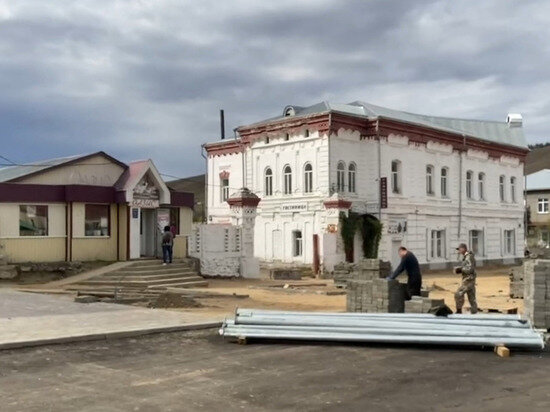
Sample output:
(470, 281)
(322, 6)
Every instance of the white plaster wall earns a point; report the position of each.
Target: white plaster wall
(219, 211)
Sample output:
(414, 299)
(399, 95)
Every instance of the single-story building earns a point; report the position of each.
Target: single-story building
(89, 207)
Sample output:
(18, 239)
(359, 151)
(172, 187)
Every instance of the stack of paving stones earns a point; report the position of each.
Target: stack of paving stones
(537, 292)
(343, 272)
(517, 285)
(369, 291)
(421, 304)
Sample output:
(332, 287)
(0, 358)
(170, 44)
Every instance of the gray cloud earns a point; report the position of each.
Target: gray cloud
(146, 79)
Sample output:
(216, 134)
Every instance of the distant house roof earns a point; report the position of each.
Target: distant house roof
(492, 131)
(13, 173)
(537, 159)
(538, 181)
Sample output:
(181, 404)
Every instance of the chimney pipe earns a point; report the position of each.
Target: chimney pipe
(222, 124)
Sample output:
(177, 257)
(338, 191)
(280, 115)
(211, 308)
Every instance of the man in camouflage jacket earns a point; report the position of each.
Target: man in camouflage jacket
(468, 286)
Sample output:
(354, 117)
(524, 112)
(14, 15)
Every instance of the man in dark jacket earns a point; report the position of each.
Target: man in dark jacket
(409, 263)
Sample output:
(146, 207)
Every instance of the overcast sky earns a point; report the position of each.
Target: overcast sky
(146, 78)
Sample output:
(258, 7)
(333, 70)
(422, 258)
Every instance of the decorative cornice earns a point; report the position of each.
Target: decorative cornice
(224, 175)
(244, 198)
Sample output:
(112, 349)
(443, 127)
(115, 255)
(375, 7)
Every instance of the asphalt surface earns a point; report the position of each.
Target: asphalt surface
(191, 371)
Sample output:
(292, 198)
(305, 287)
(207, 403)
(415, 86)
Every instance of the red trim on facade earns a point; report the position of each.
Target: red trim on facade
(331, 123)
(224, 148)
(244, 201)
(422, 135)
(337, 204)
(224, 175)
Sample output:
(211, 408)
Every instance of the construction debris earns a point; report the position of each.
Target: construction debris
(469, 330)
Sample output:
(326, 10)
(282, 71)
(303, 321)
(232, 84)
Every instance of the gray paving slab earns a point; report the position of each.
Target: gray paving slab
(30, 319)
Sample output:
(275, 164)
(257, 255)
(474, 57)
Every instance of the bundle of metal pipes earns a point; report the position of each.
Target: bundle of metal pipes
(470, 330)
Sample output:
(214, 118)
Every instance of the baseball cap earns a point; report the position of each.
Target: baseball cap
(463, 246)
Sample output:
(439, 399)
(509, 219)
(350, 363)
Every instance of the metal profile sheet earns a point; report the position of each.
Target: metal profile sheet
(264, 312)
(390, 322)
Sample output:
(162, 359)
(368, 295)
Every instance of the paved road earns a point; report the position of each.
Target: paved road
(191, 371)
(30, 318)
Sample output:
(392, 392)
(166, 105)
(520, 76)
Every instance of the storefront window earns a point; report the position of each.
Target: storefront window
(96, 221)
(33, 220)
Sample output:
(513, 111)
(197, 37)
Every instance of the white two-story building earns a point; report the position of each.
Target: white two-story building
(432, 181)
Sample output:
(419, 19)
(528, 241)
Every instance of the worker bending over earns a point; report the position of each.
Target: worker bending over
(409, 263)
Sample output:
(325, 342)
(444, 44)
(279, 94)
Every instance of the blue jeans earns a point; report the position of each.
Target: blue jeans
(167, 253)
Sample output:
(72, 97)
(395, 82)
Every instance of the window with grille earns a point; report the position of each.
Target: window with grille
(429, 180)
(224, 185)
(469, 188)
(444, 182)
(438, 242)
(501, 190)
(351, 177)
(297, 242)
(481, 185)
(396, 176)
(543, 205)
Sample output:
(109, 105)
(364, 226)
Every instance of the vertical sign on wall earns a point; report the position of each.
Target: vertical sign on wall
(383, 193)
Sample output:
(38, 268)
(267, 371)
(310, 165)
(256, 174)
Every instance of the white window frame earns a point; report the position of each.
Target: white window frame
(509, 242)
(543, 205)
(502, 188)
(224, 190)
(352, 174)
(513, 189)
(469, 185)
(396, 176)
(297, 243)
(430, 180)
(287, 179)
(544, 238)
(268, 182)
(481, 185)
(478, 236)
(444, 182)
(308, 178)
(437, 244)
(340, 177)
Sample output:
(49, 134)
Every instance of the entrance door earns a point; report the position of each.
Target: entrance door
(148, 233)
(277, 245)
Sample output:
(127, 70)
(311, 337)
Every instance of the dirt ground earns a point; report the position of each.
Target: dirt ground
(316, 294)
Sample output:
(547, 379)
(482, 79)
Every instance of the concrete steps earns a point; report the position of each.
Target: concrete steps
(143, 278)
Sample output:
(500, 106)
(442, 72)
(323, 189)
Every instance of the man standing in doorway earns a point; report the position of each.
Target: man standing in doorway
(409, 263)
(468, 286)
(167, 245)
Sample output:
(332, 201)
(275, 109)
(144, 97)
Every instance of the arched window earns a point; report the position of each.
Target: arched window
(429, 180)
(340, 177)
(444, 182)
(268, 182)
(501, 190)
(308, 178)
(513, 189)
(481, 185)
(287, 177)
(396, 176)
(469, 187)
(351, 177)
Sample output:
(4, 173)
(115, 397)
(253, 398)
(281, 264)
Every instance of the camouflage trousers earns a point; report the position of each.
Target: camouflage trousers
(468, 287)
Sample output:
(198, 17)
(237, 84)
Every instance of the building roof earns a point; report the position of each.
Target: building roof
(11, 173)
(538, 181)
(537, 159)
(492, 131)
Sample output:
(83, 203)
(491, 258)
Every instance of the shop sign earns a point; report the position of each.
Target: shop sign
(145, 203)
(297, 207)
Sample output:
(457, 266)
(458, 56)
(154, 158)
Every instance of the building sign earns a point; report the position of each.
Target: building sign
(397, 225)
(146, 194)
(145, 203)
(383, 193)
(296, 207)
